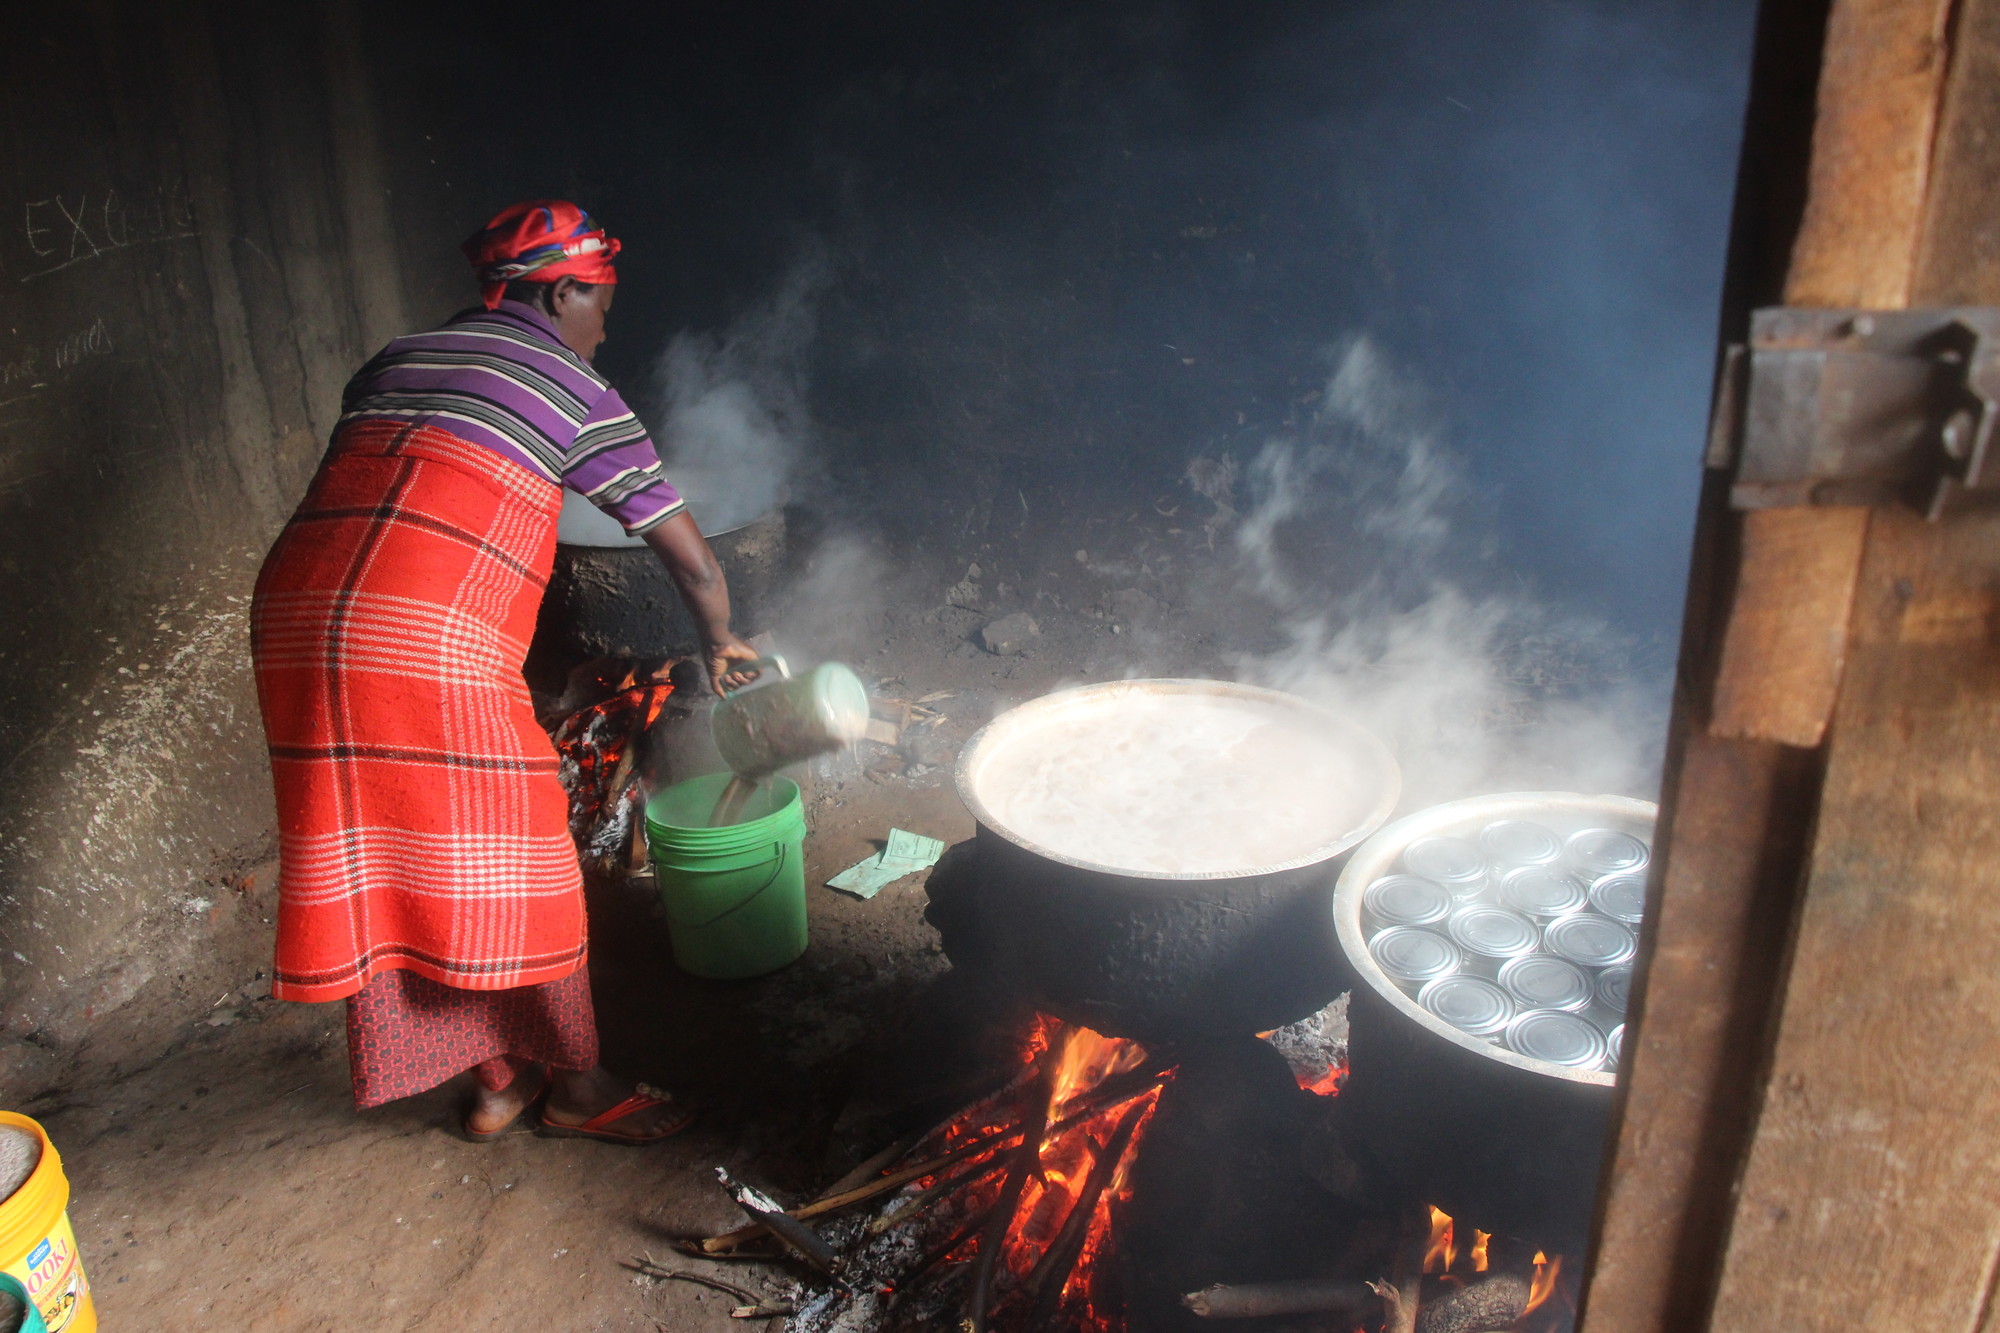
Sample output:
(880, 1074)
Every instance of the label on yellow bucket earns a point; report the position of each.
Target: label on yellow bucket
(54, 1277)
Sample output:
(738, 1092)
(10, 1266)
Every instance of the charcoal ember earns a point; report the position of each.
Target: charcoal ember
(1316, 1045)
(1492, 1302)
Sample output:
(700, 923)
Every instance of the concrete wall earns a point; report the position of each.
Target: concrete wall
(196, 250)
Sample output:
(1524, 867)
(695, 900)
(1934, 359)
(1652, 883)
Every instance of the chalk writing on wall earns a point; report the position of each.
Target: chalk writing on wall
(63, 230)
(26, 370)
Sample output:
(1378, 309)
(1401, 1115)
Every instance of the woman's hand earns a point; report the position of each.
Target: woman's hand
(719, 653)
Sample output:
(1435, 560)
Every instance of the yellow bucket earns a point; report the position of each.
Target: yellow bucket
(37, 1247)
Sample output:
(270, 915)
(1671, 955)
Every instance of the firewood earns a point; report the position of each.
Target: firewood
(1494, 1301)
(1256, 1300)
(796, 1235)
(1051, 1272)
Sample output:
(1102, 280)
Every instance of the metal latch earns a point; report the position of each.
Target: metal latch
(1862, 407)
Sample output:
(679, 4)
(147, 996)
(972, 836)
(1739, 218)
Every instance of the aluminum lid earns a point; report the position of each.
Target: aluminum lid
(1405, 900)
(1558, 1038)
(1411, 954)
(1594, 852)
(1541, 892)
(1614, 987)
(1622, 895)
(1541, 982)
(1494, 932)
(1517, 842)
(1615, 1043)
(1589, 940)
(1470, 1004)
(1449, 861)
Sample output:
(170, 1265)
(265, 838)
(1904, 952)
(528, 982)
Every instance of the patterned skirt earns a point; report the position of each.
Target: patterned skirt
(421, 825)
(407, 1033)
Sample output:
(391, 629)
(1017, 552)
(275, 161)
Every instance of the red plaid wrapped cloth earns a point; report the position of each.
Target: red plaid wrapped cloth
(420, 822)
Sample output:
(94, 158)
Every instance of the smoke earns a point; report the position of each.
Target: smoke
(732, 407)
(1474, 683)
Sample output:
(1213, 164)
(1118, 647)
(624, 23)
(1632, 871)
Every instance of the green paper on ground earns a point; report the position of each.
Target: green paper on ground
(905, 854)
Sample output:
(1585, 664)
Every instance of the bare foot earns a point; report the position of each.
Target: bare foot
(581, 1095)
(493, 1111)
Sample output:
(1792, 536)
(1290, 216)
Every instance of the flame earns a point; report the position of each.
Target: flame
(1082, 1061)
(1479, 1243)
(1442, 1252)
(1544, 1284)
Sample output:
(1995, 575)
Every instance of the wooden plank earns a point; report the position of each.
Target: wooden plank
(1880, 89)
(1787, 638)
(1718, 929)
(1876, 1143)
(1959, 262)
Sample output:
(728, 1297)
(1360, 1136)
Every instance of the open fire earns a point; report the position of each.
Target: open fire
(1005, 1219)
(1000, 1219)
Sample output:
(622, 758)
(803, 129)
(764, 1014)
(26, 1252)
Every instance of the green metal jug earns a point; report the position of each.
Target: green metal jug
(780, 719)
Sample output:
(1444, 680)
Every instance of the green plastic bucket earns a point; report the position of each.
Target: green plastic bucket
(735, 896)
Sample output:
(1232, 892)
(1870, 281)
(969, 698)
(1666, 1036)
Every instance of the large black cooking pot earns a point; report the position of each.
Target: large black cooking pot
(1157, 956)
(617, 601)
(1507, 1143)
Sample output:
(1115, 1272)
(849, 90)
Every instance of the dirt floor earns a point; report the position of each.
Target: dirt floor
(227, 1183)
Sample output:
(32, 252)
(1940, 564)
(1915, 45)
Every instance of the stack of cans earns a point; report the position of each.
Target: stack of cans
(1517, 936)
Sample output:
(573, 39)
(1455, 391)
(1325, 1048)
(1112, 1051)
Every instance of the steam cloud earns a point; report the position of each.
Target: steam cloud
(1476, 688)
(732, 406)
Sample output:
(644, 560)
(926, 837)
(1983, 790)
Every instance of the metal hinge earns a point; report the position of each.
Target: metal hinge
(1861, 407)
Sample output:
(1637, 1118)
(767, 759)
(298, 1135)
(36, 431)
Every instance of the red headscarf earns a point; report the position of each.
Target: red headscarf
(540, 242)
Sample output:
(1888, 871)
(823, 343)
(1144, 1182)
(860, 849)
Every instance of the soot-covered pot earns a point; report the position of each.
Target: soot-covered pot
(1236, 940)
(614, 599)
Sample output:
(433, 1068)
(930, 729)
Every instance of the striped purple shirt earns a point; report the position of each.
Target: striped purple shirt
(503, 379)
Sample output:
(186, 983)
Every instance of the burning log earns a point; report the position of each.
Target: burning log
(1492, 1302)
(795, 1235)
(1114, 1090)
(1027, 1162)
(1051, 1273)
(1260, 1299)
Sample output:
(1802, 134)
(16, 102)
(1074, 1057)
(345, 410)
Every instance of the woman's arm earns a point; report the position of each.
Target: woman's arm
(691, 565)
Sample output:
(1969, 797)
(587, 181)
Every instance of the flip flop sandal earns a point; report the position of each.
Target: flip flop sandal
(471, 1135)
(644, 1098)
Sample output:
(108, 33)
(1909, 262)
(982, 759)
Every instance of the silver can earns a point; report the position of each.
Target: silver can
(1542, 892)
(1405, 900)
(1558, 1038)
(1452, 862)
(1621, 896)
(1471, 1004)
(1614, 1042)
(1414, 955)
(1494, 932)
(1517, 842)
(1541, 982)
(1596, 852)
(1614, 987)
(1589, 940)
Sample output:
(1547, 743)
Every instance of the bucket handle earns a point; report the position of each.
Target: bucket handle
(770, 670)
(32, 1321)
(784, 851)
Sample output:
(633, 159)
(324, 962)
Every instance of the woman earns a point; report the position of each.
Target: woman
(427, 872)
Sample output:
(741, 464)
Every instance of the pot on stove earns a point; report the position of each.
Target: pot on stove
(1156, 858)
(1507, 1140)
